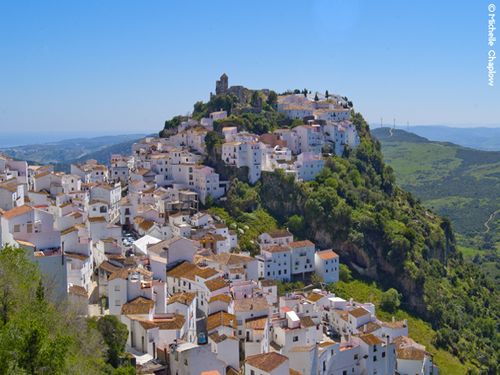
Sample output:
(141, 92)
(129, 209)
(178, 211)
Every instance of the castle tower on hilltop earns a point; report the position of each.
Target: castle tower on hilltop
(222, 85)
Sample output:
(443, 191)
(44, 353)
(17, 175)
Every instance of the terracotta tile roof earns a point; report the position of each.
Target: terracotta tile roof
(315, 297)
(266, 361)
(359, 312)
(17, 211)
(395, 324)
(267, 283)
(146, 225)
(108, 267)
(250, 304)
(10, 186)
(119, 274)
(221, 319)
(410, 353)
(163, 245)
(221, 297)
(327, 254)
(76, 256)
(216, 284)
(277, 249)
(173, 322)
(257, 323)
(303, 348)
(190, 271)
(181, 270)
(408, 349)
(183, 298)
(78, 290)
(306, 321)
(220, 338)
(139, 305)
(230, 259)
(371, 339)
(68, 230)
(97, 219)
(327, 343)
(295, 372)
(297, 244)
(43, 174)
(369, 327)
(279, 233)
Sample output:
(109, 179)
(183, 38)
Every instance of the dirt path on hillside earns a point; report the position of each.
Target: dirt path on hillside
(487, 222)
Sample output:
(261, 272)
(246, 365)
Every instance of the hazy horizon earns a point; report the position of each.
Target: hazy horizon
(16, 139)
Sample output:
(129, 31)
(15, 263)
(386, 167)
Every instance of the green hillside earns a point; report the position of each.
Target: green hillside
(460, 183)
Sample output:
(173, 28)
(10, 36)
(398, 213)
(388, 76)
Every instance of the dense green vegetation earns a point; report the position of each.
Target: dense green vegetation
(459, 183)
(38, 336)
(382, 232)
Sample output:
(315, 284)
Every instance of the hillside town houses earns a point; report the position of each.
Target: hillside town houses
(132, 233)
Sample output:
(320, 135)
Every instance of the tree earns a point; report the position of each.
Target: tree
(316, 279)
(256, 100)
(305, 92)
(345, 273)
(114, 334)
(211, 140)
(296, 122)
(327, 94)
(37, 335)
(390, 300)
(296, 224)
(316, 97)
(272, 99)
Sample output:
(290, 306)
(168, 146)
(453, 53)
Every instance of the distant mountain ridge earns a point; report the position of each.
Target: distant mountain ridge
(65, 152)
(481, 138)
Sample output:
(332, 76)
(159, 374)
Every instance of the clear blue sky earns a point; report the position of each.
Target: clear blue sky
(126, 66)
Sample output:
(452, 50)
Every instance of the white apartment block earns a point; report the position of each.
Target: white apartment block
(244, 154)
(326, 264)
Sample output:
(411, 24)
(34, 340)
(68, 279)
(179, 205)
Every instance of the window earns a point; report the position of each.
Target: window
(117, 302)
(374, 358)
(295, 338)
(17, 228)
(383, 354)
(117, 288)
(252, 372)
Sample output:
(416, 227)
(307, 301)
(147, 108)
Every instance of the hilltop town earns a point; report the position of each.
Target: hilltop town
(135, 239)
